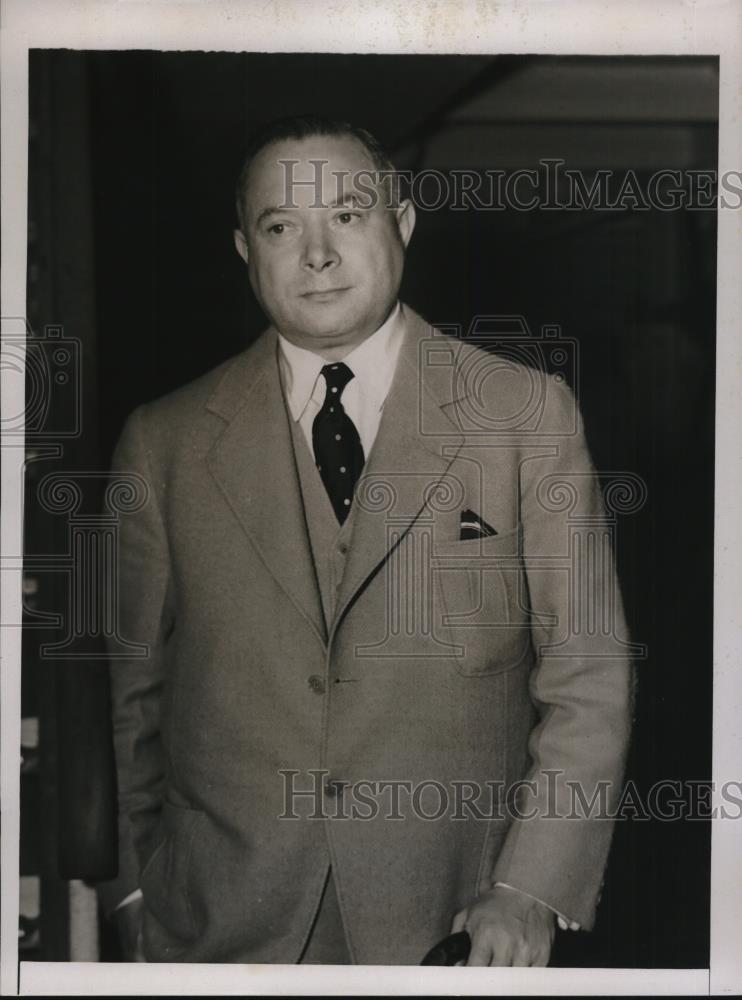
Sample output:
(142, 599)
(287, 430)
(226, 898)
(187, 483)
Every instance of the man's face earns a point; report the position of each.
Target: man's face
(326, 276)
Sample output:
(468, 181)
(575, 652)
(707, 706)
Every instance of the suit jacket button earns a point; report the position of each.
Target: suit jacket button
(317, 684)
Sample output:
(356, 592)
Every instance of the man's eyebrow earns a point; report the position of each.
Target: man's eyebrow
(270, 210)
(351, 198)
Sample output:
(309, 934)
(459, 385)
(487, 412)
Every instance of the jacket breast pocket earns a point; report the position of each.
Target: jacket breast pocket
(164, 879)
(481, 600)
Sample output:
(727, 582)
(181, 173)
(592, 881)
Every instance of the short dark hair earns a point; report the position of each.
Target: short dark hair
(305, 127)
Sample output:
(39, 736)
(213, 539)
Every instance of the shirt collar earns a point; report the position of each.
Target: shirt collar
(372, 363)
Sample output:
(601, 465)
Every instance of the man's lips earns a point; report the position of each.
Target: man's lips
(320, 294)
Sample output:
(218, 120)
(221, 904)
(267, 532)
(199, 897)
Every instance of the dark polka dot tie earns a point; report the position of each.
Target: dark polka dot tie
(338, 451)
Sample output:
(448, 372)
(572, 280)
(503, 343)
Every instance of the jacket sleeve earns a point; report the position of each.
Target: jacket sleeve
(582, 681)
(145, 619)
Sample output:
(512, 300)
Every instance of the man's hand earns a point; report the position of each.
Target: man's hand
(129, 923)
(507, 927)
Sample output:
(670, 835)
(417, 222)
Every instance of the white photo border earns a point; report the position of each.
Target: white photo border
(595, 27)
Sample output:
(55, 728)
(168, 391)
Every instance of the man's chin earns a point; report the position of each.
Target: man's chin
(332, 326)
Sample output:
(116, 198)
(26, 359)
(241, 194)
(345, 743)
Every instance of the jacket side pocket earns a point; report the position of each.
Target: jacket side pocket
(164, 879)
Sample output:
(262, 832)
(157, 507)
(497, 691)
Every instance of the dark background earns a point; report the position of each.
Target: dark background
(132, 162)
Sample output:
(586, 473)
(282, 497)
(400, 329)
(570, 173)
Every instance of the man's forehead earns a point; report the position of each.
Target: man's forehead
(295, 171)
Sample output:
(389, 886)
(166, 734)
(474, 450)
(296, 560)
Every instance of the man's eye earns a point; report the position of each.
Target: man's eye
(347, 217)
(277, 228)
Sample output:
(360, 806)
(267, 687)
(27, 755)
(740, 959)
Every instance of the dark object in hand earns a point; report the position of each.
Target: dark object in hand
(452, 949)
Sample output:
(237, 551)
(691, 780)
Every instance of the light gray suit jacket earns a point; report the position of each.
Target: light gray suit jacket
(453, 668)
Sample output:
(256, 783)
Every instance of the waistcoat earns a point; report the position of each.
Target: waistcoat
(329, 541)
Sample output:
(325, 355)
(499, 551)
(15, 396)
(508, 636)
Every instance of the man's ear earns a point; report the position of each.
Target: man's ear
(240, 244)
(405, 214)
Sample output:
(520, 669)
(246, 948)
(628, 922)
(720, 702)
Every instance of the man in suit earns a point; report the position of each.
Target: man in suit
(366, 700)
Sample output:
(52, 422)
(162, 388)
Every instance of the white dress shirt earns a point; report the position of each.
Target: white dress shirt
(373, 363)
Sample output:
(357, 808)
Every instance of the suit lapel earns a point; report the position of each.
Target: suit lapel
(253, 463)
(416, 444)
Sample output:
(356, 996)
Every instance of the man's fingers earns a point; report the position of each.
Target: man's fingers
(523, 954)
(480, 954)
(491, 948)
(507, 929)
(540, 946)
(502, 950)
(459, 922)
(533, 952)
(541, 957)
(529, 944)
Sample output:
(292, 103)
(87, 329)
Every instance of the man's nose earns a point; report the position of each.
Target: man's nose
(319, 253)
